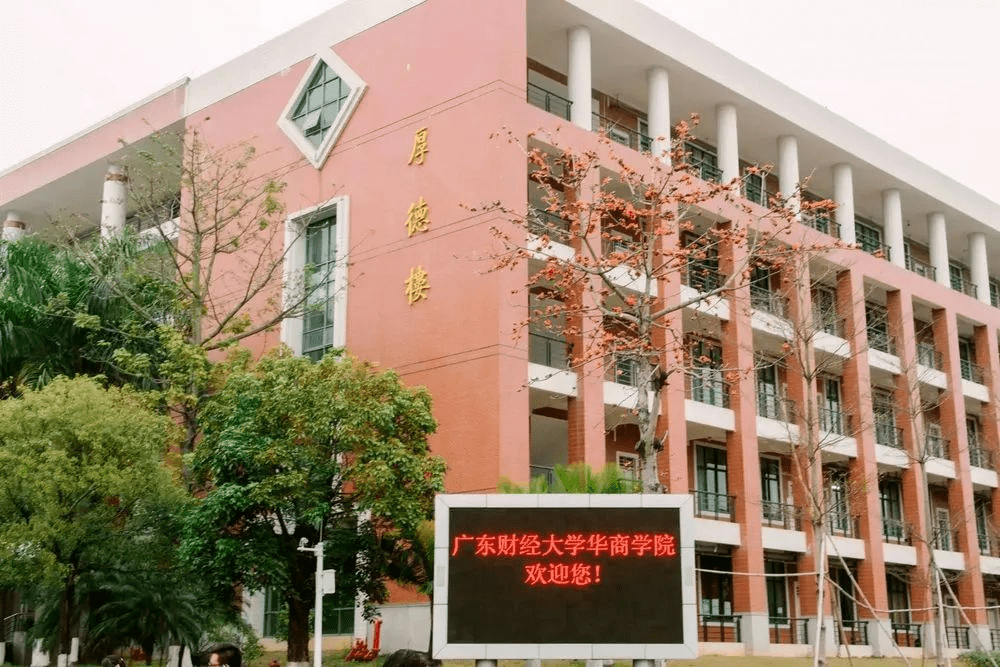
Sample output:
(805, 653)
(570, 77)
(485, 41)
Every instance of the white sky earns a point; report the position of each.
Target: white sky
(921, 74)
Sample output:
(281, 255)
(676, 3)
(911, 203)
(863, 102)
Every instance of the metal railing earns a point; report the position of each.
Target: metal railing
(995, 638)
(781, 515)
(718, 628)
(985, 544)
(971, 371)
(965, 286)
(618, 133)
(761, 298)
(957, 636)
(623, 370)
(705, 170)
(886, 431)
(936, 446)
(776, 407)
(980, 457)
(705, 385)
(702, 276)
(788, 630)
(921, 268)
(828, 323)
(546, 223)
(879, 339)
(832, 420)
(946, 540)
(549, 101)
(843, 524)
(877, 249)
(713, 505)
(547, 350)
(907, 634)
(895, 531)
(854, 633)
(821, 222)
(759, 195)
(928, 356)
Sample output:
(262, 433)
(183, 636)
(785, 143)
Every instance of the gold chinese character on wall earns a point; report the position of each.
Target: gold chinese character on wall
(419, 151)
(417, 285)
(417, 218)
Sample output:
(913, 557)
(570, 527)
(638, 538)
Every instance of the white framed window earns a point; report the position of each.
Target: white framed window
(628, 465)
(321, 105)
(316, 274)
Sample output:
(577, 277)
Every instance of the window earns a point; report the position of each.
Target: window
(707, 383)
(321, 105)
(316, 277)
(703, 162)
(884, 413)
(824, 306)
(899, 599)
(983, 525)
(711, 478)
(755, 187)
(942, 519)
(777, 592)
(966, 356)
(891, 497)
(715, 580)
(960, 279)
(769, 403)
(831, 419)
(994, 293)
(869, 237)
(273, 606)
(764, 291)
(877, 319)
(770, 490)
(628, 465)
(837, 502)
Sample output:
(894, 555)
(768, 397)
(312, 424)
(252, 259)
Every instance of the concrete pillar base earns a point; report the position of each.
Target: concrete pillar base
(755, 633)
(979, 638)
(880, 637)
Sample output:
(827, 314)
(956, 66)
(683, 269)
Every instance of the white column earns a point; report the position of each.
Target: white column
(729, 149)
(979, 269)
(937, 239)
(892, 218)
(115, 202)
(843, 195)
(659, 112)
(788, 171)
(579, 78)
(13, 227)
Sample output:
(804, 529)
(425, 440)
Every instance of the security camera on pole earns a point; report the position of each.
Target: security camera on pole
(325, 585)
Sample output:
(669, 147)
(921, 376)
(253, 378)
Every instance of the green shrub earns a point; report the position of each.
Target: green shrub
(980, 658)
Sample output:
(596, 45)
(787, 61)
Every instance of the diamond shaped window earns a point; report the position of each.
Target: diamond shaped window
(321, 106)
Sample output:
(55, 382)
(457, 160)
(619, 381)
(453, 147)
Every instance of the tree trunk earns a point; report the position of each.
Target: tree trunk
(298, 630)
(65, 620)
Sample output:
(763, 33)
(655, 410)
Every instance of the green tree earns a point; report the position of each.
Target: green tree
(81, 480)
(576, 478)
(294, 450)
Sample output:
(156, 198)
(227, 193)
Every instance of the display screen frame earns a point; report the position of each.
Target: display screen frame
(463, 586)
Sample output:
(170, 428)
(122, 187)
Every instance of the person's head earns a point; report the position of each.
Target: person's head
(113, 661)
(224, 655)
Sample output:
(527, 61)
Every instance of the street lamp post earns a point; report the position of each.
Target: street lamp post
(318, 603)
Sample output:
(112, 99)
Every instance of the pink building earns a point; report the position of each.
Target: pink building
(911, 317)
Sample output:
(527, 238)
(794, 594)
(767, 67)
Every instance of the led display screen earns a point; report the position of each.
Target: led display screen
(564, 575)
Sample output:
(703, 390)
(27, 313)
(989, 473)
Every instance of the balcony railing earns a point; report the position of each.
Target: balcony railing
(832, 420)
(549, 101)
(980, 457)
(781, 515)
(921, 268)
(705, 170)
(718, 628)
(928, 356)
(961, 284)
(936, 446)
(758, 195)
(879, 339)
(618, 133)
(623, 371)
(843, 524)
(713, 505)
(705, 385)
(907, 634)
(547, 350)
(877, 249)
(895, 531)
(828, 323)
(957, 636)
(946, 540)
(702, 276)
(788, 630)
(767, 300)
(995, 638)
(854, 633)
(970, 371)
(546, 223)
(986, 546)
(821, 222)
(886, 431)
(773, 406)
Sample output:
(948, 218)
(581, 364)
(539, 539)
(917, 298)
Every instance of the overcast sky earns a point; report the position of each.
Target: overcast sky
(922, 75)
